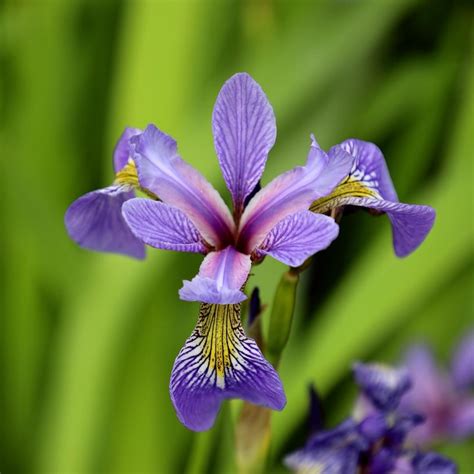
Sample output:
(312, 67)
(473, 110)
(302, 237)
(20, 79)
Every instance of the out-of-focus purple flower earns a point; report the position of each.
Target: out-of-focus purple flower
(332, 451)
(369, 185)
(95, 220)
(373, 441)
(218, 361)
(443, 398)
(381, 384)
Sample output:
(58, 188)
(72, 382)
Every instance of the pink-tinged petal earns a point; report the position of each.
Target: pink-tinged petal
(370, 167)
(462, 421)
(218, 362)
(299, 236)
(220, 278)
(95, 222)
(162, 171)
(292, 192)
(122, 151)
(244, 132)
(411, 223)
(462, 368)
(162, 226)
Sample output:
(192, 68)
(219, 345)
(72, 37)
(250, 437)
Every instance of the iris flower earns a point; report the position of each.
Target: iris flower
(372, 442)
(443, 398)
(218, 361)
(187, 214)
(370, 186)
(95, 220)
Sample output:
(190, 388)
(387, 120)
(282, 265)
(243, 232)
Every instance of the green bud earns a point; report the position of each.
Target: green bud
(281, 316)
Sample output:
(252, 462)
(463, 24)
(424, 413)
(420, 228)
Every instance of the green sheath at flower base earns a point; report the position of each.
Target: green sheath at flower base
(282, 315)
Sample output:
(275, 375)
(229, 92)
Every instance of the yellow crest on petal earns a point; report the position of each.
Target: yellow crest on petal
(349, 188)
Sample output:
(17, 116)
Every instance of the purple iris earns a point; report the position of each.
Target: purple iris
(443, 398)
(95, 220)
(218, 361)
(373, 442)
(192, 216)
(369, 185)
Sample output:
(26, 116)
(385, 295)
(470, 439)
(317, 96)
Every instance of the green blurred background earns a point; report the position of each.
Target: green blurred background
(87, 340)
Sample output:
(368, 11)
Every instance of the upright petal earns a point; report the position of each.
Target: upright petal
(299, 236)
(162, 171)
(370, 167)
(292, 192)
(244, 132)
(162, 226)
(382, 385)
(95, 222)
(463, 363)
(220, 278)
(122, 151)
(219, 362)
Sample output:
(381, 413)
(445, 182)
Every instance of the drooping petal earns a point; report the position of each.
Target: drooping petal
(95, 222)
(369, 185)
(411, 223)
(292, 192)
(220, 278)
(122, 151)
(244, 130)
(382, 385)
(163, 171)
(463, 363)
(299, 236)
(219, 362)
(162, 226)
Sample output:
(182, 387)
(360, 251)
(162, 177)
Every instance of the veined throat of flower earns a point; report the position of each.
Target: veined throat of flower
(219, 362)
(128, 176)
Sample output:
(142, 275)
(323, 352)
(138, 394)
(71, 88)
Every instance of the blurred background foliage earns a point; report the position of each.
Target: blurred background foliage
(87, 340)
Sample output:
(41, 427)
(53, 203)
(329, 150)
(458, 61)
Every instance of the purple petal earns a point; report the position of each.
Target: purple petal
(162, 171)
(411, 223)
(162, 226)
(332, 451)
(299, 236)
(373, 427)
(292, 192)
(323, 461)
(463, 363)
(122, 150)
(370, 168)
(433, 463)
(369, 185)
(428, 384)
(462, 420)
(383, 462)
(220, 278)
(95, 222)
(219, 362)
(382, 385)
(244, 132)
